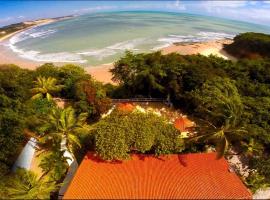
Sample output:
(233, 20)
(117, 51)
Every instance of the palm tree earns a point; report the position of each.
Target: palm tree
(63, 130)
(221, 136)
(44, 87)
(26, 185)
(54, 164)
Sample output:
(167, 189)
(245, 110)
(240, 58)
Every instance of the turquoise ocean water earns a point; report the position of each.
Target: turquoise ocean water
(100, 38)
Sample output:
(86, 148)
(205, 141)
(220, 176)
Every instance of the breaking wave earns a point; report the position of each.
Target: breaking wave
(30, 34)
(49, 57)
(36, 55)
(114, 49)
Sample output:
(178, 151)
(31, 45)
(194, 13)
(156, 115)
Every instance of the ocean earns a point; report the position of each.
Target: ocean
(100, 38)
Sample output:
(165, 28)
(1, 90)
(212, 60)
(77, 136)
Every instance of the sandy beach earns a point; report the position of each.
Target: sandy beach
(101, 72)
(204, 48)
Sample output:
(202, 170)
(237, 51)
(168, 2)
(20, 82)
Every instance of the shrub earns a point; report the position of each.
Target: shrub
(119, 134)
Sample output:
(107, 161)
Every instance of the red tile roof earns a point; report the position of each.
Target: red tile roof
(183, 123)
(190, 176)
(125, 107)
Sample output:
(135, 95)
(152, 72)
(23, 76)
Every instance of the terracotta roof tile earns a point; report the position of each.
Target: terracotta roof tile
(189, 176)
(183, 123)
(125, 107)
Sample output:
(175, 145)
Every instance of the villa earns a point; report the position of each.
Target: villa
(185, 176)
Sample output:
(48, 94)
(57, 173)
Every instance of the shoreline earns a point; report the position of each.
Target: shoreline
(101, 72)
(32, 24)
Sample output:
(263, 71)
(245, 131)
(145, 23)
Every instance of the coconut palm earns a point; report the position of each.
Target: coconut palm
(220, 136)
(63, 130)
(25, 184)
(54, 164)
(44, 87)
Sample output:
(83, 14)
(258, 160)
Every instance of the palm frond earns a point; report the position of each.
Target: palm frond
(82, 117)
(199, 137)
(37, 96)
(70, 117)
(74, 139)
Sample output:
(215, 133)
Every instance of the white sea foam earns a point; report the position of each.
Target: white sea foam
(215, 35)
(30, 34)
(53, 57)
(38, 56)
(199, 37)
(18, 38)
(162, 46)
(42, 34)
(113, 49)
(48, 57)
(127, 45)
(99, 53)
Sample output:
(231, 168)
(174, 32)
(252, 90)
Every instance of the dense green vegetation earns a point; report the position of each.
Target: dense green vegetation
(27, 109)
(250, 45)
(13, 28)
(15, 85)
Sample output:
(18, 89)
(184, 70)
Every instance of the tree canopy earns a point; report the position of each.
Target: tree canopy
(250, 45)
(119, 134)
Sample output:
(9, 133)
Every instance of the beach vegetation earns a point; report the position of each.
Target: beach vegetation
(250, 45)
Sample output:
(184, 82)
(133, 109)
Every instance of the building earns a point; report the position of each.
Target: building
(188, 176)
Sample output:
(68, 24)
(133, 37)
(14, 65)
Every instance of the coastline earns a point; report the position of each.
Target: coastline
(101, 72)
(32, 24)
